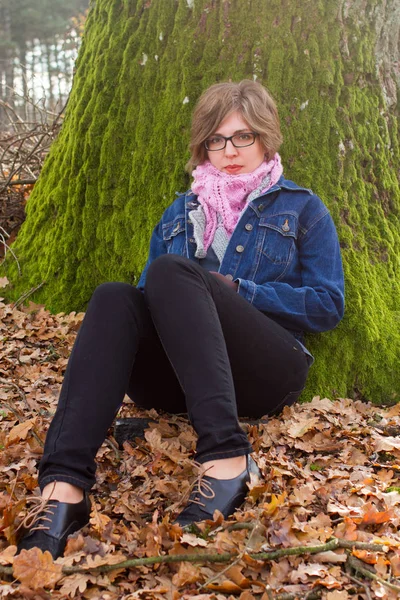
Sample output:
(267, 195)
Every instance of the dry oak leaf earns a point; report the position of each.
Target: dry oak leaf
(374, 517)
(226, 587)
(329, 582)
(395, 564)
(36, 569)
(74, 583)
(20, 431)
(192, 540)
(7, 556)
(170, 448)
(270, 507)
(299, 428)
(331, 556)
(386, 444)
(304, 571)
(98, 520)
(371, 558)
(347, 530)
(236, 575)
(246, 595)
(186, 575)
(337, 595)
(93, 562)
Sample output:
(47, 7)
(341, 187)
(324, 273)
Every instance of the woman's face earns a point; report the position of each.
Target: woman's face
(231, 160)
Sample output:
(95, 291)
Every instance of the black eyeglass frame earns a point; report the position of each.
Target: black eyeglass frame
(230, 139)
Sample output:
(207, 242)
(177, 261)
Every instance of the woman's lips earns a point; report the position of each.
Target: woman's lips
(233, 168)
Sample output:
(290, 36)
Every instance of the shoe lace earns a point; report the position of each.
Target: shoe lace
(42, 511)
(200, 487)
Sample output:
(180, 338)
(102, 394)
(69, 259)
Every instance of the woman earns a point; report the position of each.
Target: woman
(239, 268)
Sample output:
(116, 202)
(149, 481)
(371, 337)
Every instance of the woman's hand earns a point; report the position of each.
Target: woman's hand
(232, 284)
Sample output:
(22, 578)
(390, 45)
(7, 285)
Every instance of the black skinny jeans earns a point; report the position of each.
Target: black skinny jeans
(189, 344)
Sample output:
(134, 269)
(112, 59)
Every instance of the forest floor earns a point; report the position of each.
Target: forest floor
(323, 522)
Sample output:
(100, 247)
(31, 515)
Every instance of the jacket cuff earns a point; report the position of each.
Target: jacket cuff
(247, 289)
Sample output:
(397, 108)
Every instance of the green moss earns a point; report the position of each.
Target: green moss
(121, 153)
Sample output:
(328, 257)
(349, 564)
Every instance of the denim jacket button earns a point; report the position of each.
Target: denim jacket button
(248, 226)
(229, 276)
(239, 248)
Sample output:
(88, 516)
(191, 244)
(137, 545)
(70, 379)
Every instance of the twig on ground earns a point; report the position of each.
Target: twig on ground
(357, 565)
(3, 235)
(114, 447)
(26, 295)
(268, 591)
(361, 584)
(22, 182)
(202, 557)
(238, 559)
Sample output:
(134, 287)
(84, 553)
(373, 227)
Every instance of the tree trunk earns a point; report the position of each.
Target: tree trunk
(50, 98)
(22, 52)
(332, 66)
(7, 56)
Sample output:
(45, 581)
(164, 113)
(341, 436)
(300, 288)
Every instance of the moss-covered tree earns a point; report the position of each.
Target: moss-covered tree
(331, 66)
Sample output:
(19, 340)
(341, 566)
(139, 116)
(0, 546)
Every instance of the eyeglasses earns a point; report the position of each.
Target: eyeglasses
(239, 140)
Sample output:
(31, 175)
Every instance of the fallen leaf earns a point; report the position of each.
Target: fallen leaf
(386, 444)
(235, 574)
(246, 595)
(7, 555)
(20, 431)
(36, 569)
(304, 571)
(74, 583)
(187, 574)
(395, 564)
(374, 517)
(193, 540)
(226, 587)
(331, 556)
(366, 556)
(299, 428)
(270, 507)
(337, 595)
(98, 520)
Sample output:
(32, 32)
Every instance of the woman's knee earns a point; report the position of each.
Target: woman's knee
(166, 262)
(163, 269)
(110, 294)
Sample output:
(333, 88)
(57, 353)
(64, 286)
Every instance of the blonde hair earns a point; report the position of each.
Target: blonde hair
(247, 97)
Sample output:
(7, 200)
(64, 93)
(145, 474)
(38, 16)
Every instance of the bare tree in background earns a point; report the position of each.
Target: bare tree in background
(39, 41)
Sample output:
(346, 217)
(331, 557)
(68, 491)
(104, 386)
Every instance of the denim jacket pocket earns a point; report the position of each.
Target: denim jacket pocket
(174, 235)
(279, 240)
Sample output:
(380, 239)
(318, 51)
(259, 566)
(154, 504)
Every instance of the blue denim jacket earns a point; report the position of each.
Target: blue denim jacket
(284, 253)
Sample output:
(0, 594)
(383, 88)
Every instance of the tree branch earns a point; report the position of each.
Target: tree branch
(357, 565)
(202, 557)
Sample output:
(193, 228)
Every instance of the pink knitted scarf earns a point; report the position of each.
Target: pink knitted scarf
(223, 196)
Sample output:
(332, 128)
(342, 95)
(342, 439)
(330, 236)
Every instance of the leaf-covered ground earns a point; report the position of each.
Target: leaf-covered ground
(328, 501)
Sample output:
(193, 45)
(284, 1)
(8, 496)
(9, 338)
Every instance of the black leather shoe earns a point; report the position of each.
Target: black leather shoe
(54, 523)
(210, 494)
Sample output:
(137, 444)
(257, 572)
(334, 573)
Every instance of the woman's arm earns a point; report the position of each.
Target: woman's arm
(318, 305)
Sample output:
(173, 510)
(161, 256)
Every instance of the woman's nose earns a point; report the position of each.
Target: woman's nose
(230, 149)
